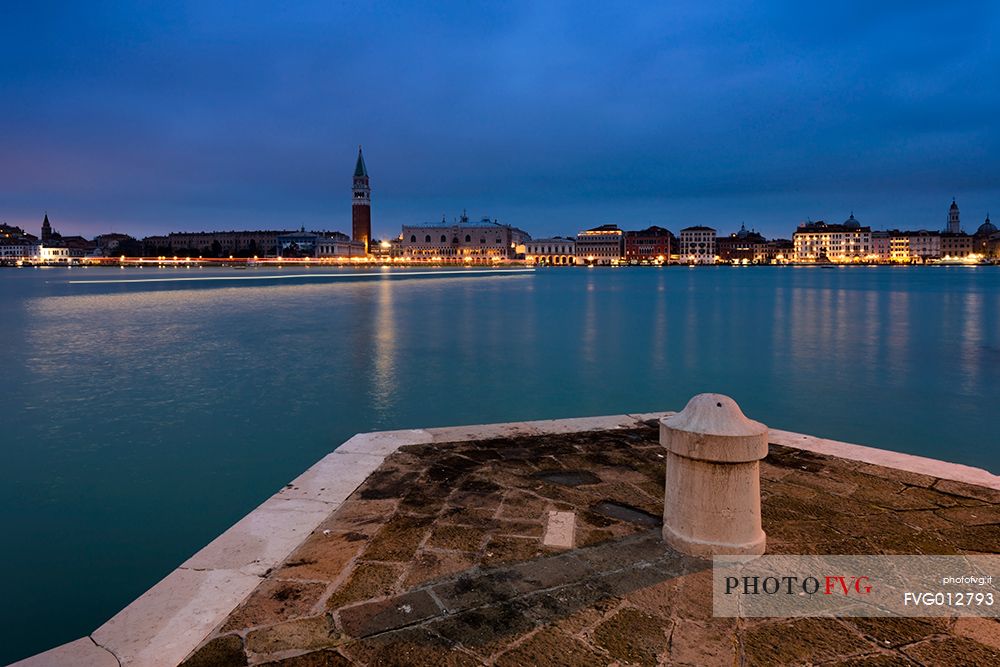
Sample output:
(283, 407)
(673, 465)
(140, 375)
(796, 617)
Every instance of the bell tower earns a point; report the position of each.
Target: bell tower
(954, 226)
(361, 204)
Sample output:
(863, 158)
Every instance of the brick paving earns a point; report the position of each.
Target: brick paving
(438, 559)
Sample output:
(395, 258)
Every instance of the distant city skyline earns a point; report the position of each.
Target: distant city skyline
(204, 116)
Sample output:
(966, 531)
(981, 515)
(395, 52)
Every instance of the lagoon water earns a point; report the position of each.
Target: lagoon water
(140, 420)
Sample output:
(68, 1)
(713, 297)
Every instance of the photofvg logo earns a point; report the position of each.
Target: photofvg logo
(793, 585)
(786, 586)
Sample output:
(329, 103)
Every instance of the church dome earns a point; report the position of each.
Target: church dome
(852, 222)
(986, 228)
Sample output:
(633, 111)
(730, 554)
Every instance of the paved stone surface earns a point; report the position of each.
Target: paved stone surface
(439, 558)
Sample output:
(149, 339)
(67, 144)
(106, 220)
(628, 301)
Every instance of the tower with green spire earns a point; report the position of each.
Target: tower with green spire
(361, 204)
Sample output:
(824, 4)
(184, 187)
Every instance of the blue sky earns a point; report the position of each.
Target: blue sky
(152, 117)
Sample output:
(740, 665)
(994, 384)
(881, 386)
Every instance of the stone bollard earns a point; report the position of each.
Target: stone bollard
(712, 501)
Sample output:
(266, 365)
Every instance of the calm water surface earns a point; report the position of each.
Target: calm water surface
(141, 420)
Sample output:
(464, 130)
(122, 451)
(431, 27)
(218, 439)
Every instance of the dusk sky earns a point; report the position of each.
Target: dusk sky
(154, 117)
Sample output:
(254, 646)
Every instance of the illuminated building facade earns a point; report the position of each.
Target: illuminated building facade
(742, 247)
(651, 245)
(556, 251)
(697, 245)
(981, 240)
(600, 246)
(818, 242)
(463, 241)
(956, 246)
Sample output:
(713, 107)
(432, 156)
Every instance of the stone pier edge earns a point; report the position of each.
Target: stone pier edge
(167, 622)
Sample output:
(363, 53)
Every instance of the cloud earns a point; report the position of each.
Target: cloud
(196, 115)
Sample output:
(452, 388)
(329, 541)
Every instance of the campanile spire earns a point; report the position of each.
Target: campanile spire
(361, 204)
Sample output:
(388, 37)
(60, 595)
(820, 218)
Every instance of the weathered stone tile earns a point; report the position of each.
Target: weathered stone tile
(633, 637)
(414, 647)
(806, 640)
(323, 556)
(388, 482)
(986, 494)
(477, 589)
(275, 600)
(458, 538)
(522, 506)
(953, 652)
(431, 565)
(706, 644)
(366, 581)
(308, 633)
(984, 539)
(321, 658)
(486, 630)
(503, 549)
(551, 648)
(904, 476)
(398, 539)
(544, 573)
(873, 660)
(922, 520)
(983, 630)
(895, 632)
(972, 516)
(224, 651)
(394, 613)
(361, 516)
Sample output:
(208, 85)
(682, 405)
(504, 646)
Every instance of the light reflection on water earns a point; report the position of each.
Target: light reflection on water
(140, 422)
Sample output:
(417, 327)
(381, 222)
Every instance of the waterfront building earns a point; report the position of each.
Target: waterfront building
(742, 247)
(556, 251)
(899, 247)
(651, 245)
(600, 246)
(214, 244)
(818, 242)
(697, 245)
(956, 246)
(881, 247)
(954, 223)
(14, 251)
(361, 204)
(779, 251)
(462, 241)
(54, 255)
(319, 245)
(924, 246)
(981, 239)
